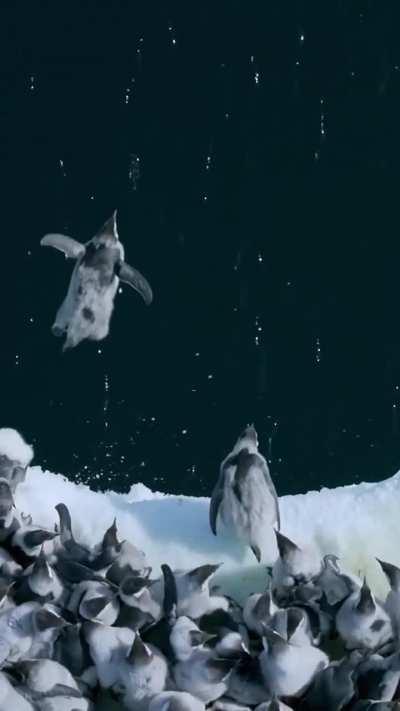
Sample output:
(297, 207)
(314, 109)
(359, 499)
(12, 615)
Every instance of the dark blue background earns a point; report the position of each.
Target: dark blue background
(303, 175)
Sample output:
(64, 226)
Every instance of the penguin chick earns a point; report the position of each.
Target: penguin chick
(378, 677)
(258, 610)
(244, 503)
(143, 674)
(230, 646)
(28, 540)
(87, 308)
(109, 647)
(361, 622)
(72, 651)
(67, 546)
(392, 602)
(136, 592)
(335, 585)
(193, 592)
(130, 561)
(46, 677)
(332, 688)
(10, 570)
(246, 682)
(197, 671)
(185, 636)
(292, 624)
(46, 623)
(294, 566)
(289, 669)
(40, 582)
(10, 699)
(94, 600)
(108, 551)
(29, 628)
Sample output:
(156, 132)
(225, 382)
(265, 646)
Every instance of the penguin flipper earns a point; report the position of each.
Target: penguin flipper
(170, 592)
(272, 489)
(216, 501)
(64, 690)
(256, 552)
(136, 280)
(69, 246)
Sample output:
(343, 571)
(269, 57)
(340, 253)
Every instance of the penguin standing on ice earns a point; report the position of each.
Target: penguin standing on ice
(244, 500)
(86, 310)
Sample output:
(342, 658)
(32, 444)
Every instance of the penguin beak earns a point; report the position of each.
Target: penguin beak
(250, 433)
(366, 603)
(109, 229)
(114, 224)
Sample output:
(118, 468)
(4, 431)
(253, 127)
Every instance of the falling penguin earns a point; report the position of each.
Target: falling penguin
(86, 310)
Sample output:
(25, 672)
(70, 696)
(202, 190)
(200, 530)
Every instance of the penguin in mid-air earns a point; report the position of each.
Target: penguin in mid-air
(86, 310)
(244, 499)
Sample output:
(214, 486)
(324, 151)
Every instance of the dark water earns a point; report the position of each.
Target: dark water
(252, 150)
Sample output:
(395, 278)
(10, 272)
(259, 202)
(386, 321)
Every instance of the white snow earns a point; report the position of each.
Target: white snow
(355, 522)
(13, 446)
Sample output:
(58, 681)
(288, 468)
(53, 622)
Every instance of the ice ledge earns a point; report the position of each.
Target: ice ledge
(356, 522)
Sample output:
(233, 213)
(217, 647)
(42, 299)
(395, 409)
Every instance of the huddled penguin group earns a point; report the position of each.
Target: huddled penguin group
(86, 628)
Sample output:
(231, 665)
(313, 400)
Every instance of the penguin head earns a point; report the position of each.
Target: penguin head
(185, 635)
(132, 587)
(248, 439)
(110, 538)
(41, 574)
(366, 603)
(273, 641)
(108, 233)
(91, 609)
(392, 573)
(141, 654)
(287, 548)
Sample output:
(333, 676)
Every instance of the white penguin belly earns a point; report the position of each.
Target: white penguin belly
(252, 517)
(87, 309)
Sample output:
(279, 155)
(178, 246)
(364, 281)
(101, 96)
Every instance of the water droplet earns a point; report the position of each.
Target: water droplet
(134, 170)
(318, 351)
